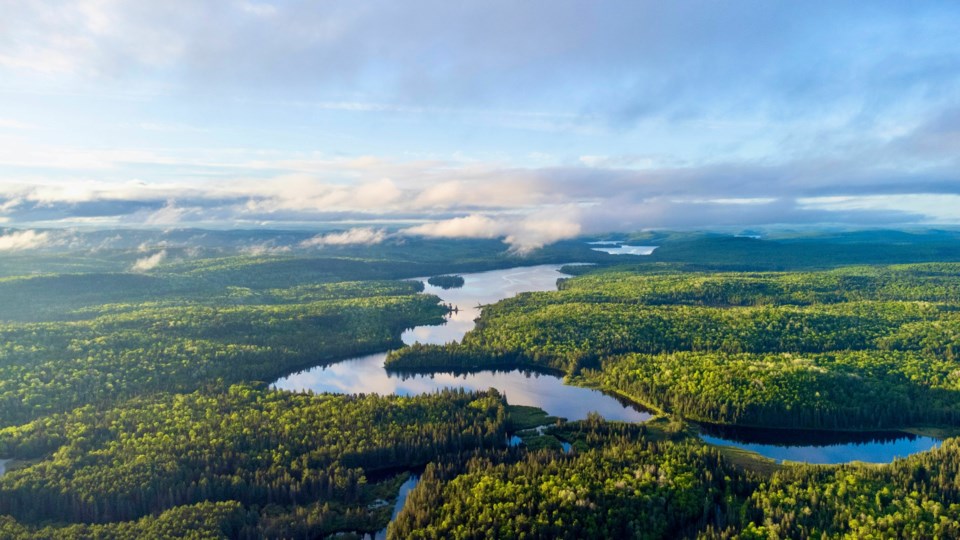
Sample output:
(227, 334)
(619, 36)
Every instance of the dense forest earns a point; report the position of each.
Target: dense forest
(860, 347)
(618, 483)
(245, 444)
(134, 404)
(124, 350)
(627, 482)
(446, 282)
(910, 498)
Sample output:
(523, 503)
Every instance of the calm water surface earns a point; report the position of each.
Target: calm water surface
(366, 375)
(627, 250)
(405, 489)
(867, 448)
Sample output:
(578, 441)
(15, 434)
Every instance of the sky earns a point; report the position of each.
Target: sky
(529, 121)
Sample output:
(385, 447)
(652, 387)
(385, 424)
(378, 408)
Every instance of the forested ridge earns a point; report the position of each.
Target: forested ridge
(851, 348)
(131, 349)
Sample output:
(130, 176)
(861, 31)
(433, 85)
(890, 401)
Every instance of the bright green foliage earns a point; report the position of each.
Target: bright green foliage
(849, 348)
(246, 444)
(855, 389)
(204, 521)
(138, 411)
(619, 484)
(131, 350)
(912, 498)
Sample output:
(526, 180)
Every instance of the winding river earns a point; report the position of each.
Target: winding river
(366, 374)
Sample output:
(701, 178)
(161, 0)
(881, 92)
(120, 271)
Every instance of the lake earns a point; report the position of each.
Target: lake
(366, 374)
(615, 248)
(821, 447)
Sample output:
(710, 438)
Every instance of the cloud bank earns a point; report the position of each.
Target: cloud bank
(360, 235)
(21, 240)
(522, 234)
(530, 122)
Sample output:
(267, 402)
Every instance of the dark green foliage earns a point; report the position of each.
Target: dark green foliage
(446, 282)
(917, 497)
(849, 348)
(130, 350)
(715, 252)
(617, 484)
(118, 387)
(524, 417)
(53, 297)
(204, 521)
(842, 390)
(246, 444)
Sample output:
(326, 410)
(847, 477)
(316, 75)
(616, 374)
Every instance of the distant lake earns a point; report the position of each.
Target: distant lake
(615, 248)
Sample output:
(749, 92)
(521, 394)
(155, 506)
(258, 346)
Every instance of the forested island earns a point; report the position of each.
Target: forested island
(446, 282)
(139, 404)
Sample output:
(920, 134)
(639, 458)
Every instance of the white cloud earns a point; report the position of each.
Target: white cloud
(527, 207)
(523, 233)
(259, 9)
(20, 240)
(375, 194)
(544, 228)
(10, 204)
(150, 262)
(472, 226)
(168, 215)
(359, 235)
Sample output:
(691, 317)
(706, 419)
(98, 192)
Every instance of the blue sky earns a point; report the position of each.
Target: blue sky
(531, 121)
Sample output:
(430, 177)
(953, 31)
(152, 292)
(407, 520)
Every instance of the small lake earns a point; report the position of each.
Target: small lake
(618, 248)
(366, 374)
(867, 447)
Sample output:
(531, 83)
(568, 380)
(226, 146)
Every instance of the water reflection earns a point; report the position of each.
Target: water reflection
(820, 447)
(624, 249)
(405, 490)
(366, 375)
(480, 289)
